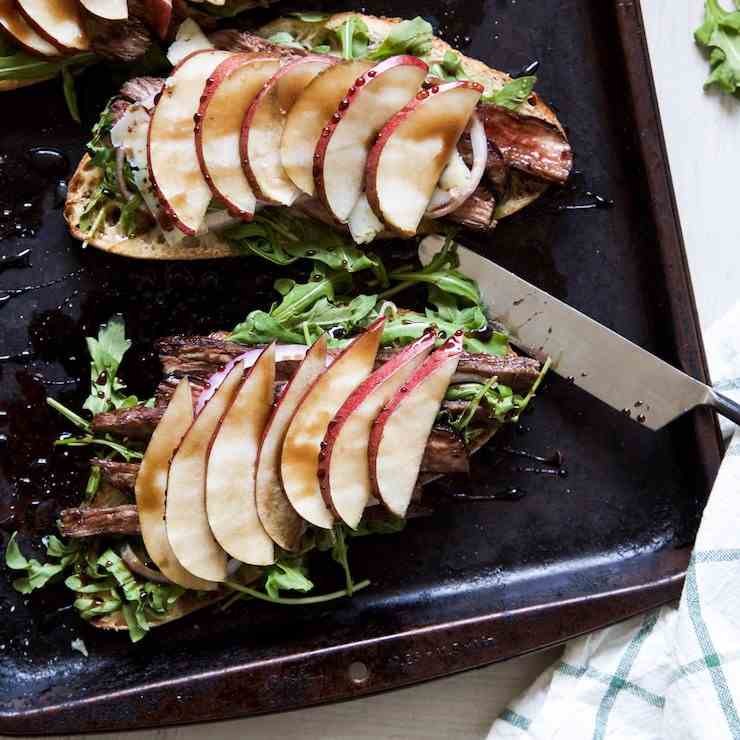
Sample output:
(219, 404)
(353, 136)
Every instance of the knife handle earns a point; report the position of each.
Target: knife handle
(725, 406)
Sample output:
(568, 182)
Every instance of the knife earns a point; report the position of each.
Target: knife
(596, 359)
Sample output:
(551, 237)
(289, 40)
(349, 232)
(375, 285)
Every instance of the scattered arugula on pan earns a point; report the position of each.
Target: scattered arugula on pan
(106, 353)
(719, 35)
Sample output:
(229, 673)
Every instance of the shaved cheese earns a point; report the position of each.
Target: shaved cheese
(363, 224)
(189, 38)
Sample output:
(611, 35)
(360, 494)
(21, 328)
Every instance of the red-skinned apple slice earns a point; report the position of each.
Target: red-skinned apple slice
(15, 25)
(299, 466)
(310, 115)
(58, 21)
(173, 161)
(230, 489)
(151, 487)
(228, 94)
(109, 10)
(278, 517)
(185, 512)
(412, 150)
(160, 16)
(263, 129)
(399, 434)
(341, 155)
(344, 469)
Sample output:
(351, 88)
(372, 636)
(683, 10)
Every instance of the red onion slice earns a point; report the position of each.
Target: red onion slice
(137, 565)
(283, 353)
(120, 179)
(459, 195)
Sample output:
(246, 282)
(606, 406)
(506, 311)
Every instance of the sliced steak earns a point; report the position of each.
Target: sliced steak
(140, 89)
(120, 475)
(122, 41)
(477, 211)
(200, 357)
(124, 519)
(89, 522)
(233, 40)
(497, 171)
(528, 144)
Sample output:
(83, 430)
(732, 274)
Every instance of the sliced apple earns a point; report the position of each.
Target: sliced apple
(160, 16)
(310, 115)
(151, 488)
(226, 98)
(399, 435)
(343, 469)
(185, 512)
(412, 150)
(16, 26)
(230, 497)
(109, 10)
(263, 129)
(58, 21)
(278, 517)
(173, 161)
(341, 154)
(299, 467)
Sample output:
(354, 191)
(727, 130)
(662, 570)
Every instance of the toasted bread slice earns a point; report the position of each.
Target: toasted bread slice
(523, 189)
(110, 237)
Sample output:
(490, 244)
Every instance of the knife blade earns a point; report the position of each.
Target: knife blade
(593, 357)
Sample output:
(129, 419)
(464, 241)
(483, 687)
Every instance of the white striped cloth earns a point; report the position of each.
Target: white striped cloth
(674, 673)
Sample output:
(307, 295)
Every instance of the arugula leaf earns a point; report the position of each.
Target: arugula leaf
(354, 38)
(367, 527)
(449, 68)
(285, 39)
(409, 37)
(70, 94)
(106, 353)
(39, 574)
(310, 17)
(305, 306)
(141, 604)
(719, 34)
(513, 93)
(17, 65)
(289, 574)
(125, 452)
(339, 554)
(283, 238)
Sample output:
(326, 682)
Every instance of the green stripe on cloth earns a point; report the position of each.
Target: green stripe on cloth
(697, 666)
(701, 630)
(617, 682)
(515, 719)
(655, 700)
(716, 556)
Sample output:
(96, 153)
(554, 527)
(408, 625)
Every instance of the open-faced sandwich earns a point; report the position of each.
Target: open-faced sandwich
(42, 39)
(362, 126)
(313, 422)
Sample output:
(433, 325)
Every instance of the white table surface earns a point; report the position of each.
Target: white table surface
(703, 137)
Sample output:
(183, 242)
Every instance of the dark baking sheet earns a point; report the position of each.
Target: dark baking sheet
(476, 583)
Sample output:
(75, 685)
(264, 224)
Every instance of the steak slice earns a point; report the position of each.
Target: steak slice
(89, 522)
(528, 144)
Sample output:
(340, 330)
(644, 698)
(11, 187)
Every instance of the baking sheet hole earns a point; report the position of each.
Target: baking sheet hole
(358, 672)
